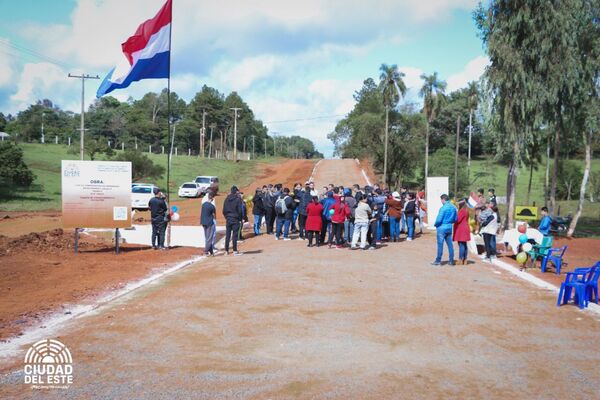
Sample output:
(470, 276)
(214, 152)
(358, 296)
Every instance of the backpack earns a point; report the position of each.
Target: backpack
(280, 206)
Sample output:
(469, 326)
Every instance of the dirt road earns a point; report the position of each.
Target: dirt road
(286, 321)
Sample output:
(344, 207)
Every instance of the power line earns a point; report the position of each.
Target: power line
(36, 54)
(305, 119)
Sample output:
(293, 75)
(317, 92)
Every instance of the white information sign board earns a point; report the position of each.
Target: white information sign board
(435, 187)
(96, 194)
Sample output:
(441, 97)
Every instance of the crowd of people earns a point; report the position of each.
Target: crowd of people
(345, 217)
(337, 216)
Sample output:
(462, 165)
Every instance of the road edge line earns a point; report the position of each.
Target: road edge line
(52, 323)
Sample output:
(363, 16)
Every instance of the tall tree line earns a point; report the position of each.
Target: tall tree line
(142, 124)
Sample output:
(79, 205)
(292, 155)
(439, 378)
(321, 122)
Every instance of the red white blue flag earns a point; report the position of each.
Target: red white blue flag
(472, 200)
(148, 53)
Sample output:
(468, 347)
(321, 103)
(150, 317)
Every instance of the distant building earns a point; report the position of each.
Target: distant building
(4, 136)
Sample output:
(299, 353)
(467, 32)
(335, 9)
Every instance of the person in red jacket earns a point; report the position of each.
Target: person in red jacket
(462, 231)
(314, 221)
(341, 211)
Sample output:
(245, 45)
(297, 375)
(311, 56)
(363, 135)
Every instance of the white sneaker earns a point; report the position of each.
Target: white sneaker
(237, 253)
(276, 238)
(486, 261)
(409, 239)
(483, 256)
(286, 238)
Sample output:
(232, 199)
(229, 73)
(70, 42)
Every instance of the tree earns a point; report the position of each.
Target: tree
(432, 93)
(511, 35)
(392, 89)
(442, 161)
(472, 100)
(13, 170)
(141, 166)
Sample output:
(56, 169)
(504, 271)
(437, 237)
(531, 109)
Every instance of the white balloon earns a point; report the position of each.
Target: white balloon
(527, 247)
(175, 217)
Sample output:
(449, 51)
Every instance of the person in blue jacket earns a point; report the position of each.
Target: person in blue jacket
(444, 224)
(545, 223)
(327, 203)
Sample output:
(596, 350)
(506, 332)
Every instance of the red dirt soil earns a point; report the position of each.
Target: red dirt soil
(41, 273)
(581, 252)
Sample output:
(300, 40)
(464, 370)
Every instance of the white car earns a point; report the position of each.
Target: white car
(207, 182)
(141, 193)
(190, 189)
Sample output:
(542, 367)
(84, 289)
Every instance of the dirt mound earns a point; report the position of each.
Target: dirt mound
(52, 241)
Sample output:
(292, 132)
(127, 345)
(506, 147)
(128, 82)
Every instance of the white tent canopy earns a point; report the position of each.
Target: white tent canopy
(4, 135)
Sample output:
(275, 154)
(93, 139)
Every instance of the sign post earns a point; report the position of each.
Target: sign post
(435, 187)
(96, 194)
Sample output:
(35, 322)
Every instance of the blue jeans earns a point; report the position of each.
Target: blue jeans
(444, 235)
(462, 250)
(348, 231)
(394, 228)
(285, 224)
(257, 223)
(379, 229)
(410, 222)
(403, 223)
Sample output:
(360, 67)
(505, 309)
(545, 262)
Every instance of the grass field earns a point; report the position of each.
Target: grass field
(45, 194)
(494, 176)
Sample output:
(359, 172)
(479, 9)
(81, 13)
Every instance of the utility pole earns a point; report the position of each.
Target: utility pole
(235, 111)
(83, 77)
(265, 147)
(253, 146)
(211, 140)
(43, 140)
(202, 132)
(456, 156)
(244, 145)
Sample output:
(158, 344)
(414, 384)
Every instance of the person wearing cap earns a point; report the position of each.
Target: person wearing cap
(394, 204)
(232, 211)
(159, 215)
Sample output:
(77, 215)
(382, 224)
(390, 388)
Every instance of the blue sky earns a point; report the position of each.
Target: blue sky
(288, 60)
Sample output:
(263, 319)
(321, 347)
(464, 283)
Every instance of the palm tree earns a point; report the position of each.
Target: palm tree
(392, 89)
(432, 93)
(472, 100)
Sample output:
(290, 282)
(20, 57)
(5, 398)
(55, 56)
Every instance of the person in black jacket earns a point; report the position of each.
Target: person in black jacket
(258, 209)
(232, 211)
(269, 203)
(284, 207)
(159, 217)
(410, 209)
(207, 220)
(305, 199)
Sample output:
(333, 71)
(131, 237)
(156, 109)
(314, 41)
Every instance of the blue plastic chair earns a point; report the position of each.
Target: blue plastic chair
(555, 256)
(578, 281)
(591, 286)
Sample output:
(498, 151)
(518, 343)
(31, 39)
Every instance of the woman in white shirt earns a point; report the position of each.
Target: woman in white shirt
(489, 229)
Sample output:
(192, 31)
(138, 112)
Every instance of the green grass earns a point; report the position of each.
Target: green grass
(45, 193)
(495, 177)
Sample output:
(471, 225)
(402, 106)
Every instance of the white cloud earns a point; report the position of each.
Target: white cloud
(6, 63)
(241, 75)
(472, 72)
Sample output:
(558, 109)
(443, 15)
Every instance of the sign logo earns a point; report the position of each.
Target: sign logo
(48, 365)
(71, 171)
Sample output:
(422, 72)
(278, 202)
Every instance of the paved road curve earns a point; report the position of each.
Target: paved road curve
(285, 321)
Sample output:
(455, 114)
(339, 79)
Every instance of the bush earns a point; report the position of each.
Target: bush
(569, 178)
(441, 163)
(141, 165)
(13, 170)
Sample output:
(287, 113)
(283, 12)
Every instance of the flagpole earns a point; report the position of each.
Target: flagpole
(169, 107)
